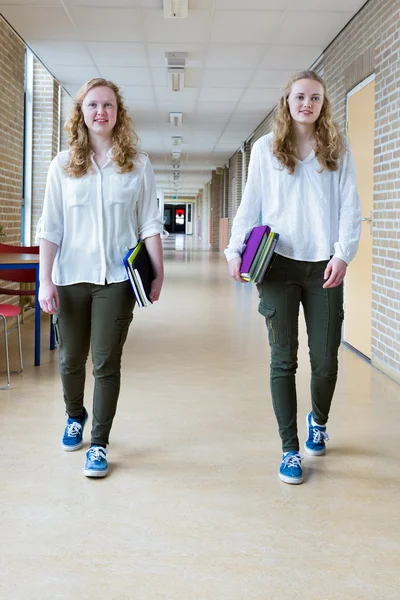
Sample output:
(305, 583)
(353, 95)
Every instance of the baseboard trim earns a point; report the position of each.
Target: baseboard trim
(360, 354)
(377, 363)
(386, 369)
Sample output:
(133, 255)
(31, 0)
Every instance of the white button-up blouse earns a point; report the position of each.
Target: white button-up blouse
(316, 214)
(95, 219)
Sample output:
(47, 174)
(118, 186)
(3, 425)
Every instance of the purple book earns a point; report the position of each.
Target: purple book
(252, 245)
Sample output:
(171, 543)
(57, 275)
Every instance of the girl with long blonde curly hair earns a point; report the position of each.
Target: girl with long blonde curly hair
(100, 198)
(124, 140)
(302, 184)
(328, 139)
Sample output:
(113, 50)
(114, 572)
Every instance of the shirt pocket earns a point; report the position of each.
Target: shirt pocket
(77, 191)
(122, 190)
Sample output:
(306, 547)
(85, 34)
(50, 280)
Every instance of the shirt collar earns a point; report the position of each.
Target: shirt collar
(110, 153)
(308, 159)
(110, 156)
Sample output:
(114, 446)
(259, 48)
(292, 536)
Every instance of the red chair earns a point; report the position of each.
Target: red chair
(25, 276)
(8, 311)
(18, 275)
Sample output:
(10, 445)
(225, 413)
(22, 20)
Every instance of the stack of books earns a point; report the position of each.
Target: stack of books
(259, 253)
(140, 272)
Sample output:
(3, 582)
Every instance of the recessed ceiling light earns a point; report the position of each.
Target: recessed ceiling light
(175, 118)
(175, 9)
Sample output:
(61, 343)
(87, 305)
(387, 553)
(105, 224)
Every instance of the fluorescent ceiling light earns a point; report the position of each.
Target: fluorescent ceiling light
(176, 80)
(175, 118)
(175, 9)
(176, 62)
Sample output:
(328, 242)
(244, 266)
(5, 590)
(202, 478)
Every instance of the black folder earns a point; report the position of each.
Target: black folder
(141, 274)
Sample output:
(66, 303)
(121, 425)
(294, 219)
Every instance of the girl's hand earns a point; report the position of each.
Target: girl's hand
(334, 273)
(234, 269)
(156, 286)
(48, 297)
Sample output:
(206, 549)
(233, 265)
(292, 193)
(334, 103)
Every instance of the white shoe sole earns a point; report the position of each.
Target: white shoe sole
(292, 480)
(314, 452)
(88, 473)
(71, 448)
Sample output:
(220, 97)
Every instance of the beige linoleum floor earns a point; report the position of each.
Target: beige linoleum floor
(192, 508)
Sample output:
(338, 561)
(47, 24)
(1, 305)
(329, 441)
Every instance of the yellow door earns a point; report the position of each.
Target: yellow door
(358, 283)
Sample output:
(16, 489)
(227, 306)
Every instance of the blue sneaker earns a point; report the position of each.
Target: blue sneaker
(73, 434)
(96, 462)
(291, 471)
(316, 438)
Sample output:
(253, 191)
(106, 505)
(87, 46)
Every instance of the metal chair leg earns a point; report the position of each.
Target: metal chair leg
(20, 345)
(7, 360)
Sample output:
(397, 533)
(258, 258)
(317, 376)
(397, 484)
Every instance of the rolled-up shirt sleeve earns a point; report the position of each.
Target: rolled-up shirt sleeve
(148, 214)
(349, 209)
(248, 213)
(51, 224)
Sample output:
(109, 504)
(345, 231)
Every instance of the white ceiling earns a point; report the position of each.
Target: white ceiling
(240, 53)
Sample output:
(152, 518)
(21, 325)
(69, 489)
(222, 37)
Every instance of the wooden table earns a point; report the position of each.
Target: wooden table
(29, 261)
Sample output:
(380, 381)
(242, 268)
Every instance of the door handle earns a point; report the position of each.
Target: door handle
(369, 220)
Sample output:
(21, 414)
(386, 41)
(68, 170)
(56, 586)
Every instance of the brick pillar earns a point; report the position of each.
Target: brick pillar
(235, 186)
(66, 106)
(216, 192)
(12, 68)
(45, 135)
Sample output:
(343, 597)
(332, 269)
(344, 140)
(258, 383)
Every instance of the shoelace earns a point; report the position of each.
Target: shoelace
(74, 429)
(97, 453)
(292, 460)
(319, 436)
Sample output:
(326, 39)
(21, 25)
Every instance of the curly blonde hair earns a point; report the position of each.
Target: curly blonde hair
(329, 141)
(124, 137)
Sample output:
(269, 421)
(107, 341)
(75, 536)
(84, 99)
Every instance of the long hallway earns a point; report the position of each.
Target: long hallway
(192, 508)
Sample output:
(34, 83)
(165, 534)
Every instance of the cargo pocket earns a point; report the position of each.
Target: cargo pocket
(339, 328)
(271, 322)
(57, 335)
(122, 330)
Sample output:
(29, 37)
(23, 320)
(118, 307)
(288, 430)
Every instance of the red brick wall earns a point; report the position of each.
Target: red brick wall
(45, 136)
(12, 67)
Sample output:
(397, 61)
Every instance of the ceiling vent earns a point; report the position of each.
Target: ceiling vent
(176, 9)
(175, 118)
(176, 60)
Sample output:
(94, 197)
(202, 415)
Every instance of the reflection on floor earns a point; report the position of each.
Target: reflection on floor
(192, 508)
